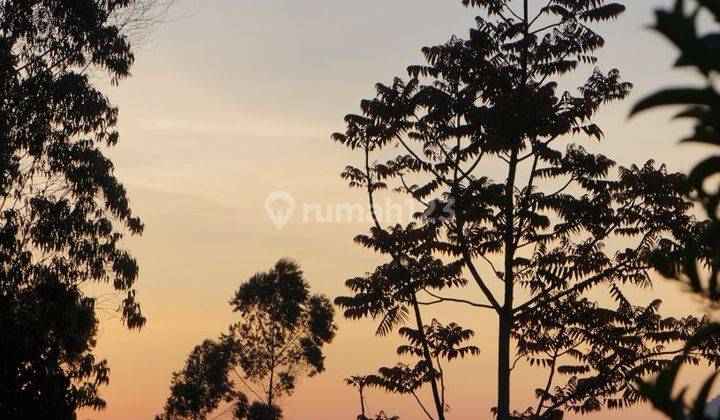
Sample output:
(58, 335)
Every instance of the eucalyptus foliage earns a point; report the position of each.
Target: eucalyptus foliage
(279, 337)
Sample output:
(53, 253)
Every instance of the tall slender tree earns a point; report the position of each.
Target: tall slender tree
(359, 382)
(560, 224)
(63, 213)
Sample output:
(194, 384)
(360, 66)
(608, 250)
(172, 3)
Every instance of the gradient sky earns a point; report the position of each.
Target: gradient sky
(236, 99)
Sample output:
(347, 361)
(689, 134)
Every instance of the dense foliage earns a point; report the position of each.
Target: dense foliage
(701, 263)
(63, 213)
(279, 337)
(543, 237)
(702, 105)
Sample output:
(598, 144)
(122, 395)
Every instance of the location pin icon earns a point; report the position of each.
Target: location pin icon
(280, 206)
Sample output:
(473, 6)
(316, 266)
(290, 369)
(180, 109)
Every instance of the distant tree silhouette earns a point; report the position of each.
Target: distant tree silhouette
(700, 266)
(362, 382)
(359, 382)
(279, 337)
(63, 213)
(547, 233)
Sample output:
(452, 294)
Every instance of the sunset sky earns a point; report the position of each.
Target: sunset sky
(231, 100)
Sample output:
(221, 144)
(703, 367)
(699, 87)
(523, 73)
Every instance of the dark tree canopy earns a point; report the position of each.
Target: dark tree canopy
(279, 337)
(260, 411)
(63, 213)
(559, 224)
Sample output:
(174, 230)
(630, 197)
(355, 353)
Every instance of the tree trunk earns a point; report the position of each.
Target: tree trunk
(270, 388)
(362, 402)
(428, 358)
(504, 368)
(506, 314)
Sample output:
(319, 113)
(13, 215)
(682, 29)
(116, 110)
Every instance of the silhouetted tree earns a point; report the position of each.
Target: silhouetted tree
(359, 382)
(701, 262)
(63, 213)
(362, 382)
(594, 354)
(282, 331)
(703, 106)
(279, 337)
(379, 294)
(547, 232)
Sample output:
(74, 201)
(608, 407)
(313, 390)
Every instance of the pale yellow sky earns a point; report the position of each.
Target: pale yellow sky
(237, 99)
